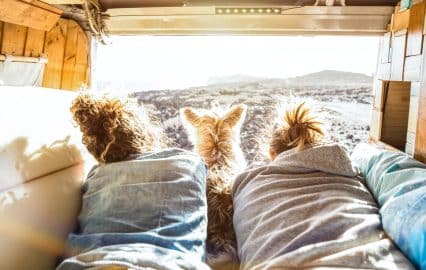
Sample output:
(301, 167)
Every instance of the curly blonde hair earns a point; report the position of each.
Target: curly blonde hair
(300, 128)
(114, 130)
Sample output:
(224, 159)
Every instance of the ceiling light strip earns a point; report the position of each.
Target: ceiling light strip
(248, 11)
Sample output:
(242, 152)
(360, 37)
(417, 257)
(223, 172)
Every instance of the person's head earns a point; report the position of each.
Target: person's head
(299, 128)
(114, 130)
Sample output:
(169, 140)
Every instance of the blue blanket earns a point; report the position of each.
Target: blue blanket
(398, 183)
(149, 212)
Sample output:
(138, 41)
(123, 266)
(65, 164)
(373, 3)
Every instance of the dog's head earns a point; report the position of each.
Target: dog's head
(214, 133)
(113, 129)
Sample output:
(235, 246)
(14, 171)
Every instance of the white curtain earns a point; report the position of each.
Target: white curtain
(21, 73)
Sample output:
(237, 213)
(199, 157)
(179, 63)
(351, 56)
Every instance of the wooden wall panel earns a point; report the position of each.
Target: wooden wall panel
(420, 148)
(385, 48)
(30, 13)
(81, 70)
(395, 115)
(34, 45)
(54, 49)
(398, 56)
(384, 71)
(401, 20)
(413, 68)
(1, 33)
(376, 125)
(415, 29)
(13, 39)
(380, 87)
(70, 54)
(66, 47)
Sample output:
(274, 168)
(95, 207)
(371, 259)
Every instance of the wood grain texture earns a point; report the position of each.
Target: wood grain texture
(34, 45)
(384, 71)
(44, 5)
(413, 68)
(14, 37)
(54, 48)
(375, 125)
(380, 87)
(27, 14)
(420, 148)
(1, 34)
(82, 67)
(395, 115)
(64, 2)
(415, 29)
(385, 48)
(401, 20)
(66, 47)
(398, 57)
(69, 55)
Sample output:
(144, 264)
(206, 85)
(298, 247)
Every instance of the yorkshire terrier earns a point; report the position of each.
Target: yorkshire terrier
(216, 137)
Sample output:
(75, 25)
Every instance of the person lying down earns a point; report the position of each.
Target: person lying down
(143, 207)
(307, 208)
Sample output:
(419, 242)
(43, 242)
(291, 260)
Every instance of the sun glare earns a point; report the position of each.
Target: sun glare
(175, 62)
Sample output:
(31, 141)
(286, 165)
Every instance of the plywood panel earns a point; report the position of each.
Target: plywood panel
(70, 55)
(44, 5)
(375, 125)
(54, 48)
(420, 148)
(401, 20)
(395, 115)
(81, 74)
(398, 57)
(27, 14)
(413, 68)
(35, 42)
(13, 39)
(1, 33)
(66, 47)
(380, 88)
(384, 71)
(415, 29)
(413, 114)
(385, 48)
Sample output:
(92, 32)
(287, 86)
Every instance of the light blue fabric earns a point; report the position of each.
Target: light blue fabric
(147, 212)
(398, 183)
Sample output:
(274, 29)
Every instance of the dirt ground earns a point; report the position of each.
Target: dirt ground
(345, 110)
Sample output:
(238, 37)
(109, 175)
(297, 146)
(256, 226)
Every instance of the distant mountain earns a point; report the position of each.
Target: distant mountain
(331, 77)
(237, 78)
(325, 77)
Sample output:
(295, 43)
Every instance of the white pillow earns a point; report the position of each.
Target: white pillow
(37, 135)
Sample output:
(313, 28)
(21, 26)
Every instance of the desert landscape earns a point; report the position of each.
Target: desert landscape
(342, 99)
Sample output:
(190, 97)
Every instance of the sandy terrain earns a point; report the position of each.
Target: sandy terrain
(346, 110)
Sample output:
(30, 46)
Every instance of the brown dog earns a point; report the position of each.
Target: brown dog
(216, 137)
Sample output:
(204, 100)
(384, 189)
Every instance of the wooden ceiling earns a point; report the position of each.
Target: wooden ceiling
(200, 17)
(107, 4)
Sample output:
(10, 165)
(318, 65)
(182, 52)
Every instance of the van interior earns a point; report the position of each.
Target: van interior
(49, 50)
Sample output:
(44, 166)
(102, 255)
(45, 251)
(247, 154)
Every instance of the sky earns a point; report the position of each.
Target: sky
(173, 62)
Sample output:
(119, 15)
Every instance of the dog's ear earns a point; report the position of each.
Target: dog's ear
(187, 115)
(236, 115)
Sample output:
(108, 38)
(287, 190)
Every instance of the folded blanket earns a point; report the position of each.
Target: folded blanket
(147, 213)
(398, 183)
(309, 210)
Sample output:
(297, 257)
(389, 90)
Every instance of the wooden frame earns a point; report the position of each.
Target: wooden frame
(292, 20)
(30, 13)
